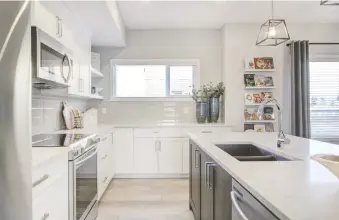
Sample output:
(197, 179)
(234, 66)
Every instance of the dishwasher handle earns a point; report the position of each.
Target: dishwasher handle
(234, 198)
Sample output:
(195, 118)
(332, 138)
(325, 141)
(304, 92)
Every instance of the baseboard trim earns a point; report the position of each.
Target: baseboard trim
(150, 176)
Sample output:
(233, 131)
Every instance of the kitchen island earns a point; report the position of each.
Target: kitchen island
(299, 189)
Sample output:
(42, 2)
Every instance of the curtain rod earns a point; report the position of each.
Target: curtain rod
(289, 44)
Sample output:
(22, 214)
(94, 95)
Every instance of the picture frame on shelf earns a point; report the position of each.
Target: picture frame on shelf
(260, 64)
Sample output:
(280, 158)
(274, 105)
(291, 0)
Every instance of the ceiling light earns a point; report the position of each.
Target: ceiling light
(329, 2)
(273, 32)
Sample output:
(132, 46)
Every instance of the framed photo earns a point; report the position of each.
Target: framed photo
(263, 63)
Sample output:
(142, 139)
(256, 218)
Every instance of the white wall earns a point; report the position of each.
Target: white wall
(204, 45)
(239, 43)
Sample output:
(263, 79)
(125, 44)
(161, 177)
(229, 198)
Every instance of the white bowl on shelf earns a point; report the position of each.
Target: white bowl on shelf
(329, 161)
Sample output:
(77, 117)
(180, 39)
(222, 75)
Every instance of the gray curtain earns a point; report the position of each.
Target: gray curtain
(300, 106)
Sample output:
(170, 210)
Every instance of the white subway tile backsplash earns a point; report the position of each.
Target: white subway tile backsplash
(47, 113)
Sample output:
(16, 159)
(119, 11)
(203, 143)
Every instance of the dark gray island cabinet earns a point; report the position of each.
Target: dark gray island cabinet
(210, 187)
(214, 195)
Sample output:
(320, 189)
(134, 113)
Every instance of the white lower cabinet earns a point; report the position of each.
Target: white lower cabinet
(123, 151)
(145, 155)
(170, 155)
(185, 155)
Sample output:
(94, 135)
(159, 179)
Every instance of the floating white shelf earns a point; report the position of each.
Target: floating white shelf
(259, 70)
(262, 87)
(96, 73)
(259, 121)
(94, 96)
(258, 105)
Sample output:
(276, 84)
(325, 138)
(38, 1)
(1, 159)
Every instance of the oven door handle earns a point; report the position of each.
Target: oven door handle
(77, 163)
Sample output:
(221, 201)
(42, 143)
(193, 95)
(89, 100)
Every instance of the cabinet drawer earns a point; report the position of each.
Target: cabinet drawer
(208, 130)
(48, 173)
(53, 203)
(172, 133)
(146, 132)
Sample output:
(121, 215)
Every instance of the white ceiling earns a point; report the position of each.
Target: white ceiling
(213, 14)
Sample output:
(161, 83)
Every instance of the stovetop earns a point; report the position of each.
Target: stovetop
(77, 143)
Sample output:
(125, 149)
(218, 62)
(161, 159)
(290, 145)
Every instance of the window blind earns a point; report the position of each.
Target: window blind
(324, 100)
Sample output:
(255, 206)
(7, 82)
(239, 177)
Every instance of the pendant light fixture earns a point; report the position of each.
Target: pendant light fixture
(329, 2)
(273, 32)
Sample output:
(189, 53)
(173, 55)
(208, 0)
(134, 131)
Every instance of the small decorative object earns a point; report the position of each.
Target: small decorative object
(201, 98)
(331, 162)
(273, 32)
(329, 2)
(269, 127)
(249, 80)
(210, 95)
(200, 111)
(249, 127)
(268, 113)
(263, 63)
(259, 128)
(93, 90)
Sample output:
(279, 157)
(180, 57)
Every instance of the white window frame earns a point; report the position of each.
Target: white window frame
(169, 62)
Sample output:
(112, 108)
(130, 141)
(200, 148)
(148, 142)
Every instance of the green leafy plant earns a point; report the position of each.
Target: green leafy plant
(208, 91)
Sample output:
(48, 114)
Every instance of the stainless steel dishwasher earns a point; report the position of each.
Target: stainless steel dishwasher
(247, 207)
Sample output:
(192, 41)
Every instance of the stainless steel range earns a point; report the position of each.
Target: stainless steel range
(83, 172)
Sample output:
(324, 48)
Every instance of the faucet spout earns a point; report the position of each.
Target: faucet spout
(282, 139)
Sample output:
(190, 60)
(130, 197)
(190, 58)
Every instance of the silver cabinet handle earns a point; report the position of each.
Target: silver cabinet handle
(39, 181)
(46, 215)
(60, 27)
(206, 171)
(196, 159)
(159, 145)
(105, 179)
(206, 132)
(112, 138)
(209, 184)
(234, 197)
(104, 157)
(156, 146)
(57, 26)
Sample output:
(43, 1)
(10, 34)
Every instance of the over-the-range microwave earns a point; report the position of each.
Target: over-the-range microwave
(52, 64)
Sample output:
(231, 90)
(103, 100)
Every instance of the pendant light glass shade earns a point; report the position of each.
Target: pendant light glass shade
(329, 2)
(272, 33)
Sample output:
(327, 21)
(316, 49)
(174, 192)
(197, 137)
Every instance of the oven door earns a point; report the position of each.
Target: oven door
(51, 61)
(83, 186)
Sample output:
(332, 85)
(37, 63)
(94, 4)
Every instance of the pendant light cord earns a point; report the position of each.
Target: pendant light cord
(272, 8)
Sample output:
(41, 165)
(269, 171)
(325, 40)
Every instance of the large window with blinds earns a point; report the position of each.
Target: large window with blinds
(324, 100)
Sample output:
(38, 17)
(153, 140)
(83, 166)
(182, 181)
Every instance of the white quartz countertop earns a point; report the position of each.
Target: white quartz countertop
(102, 128)
(293, 190)
(41, 155)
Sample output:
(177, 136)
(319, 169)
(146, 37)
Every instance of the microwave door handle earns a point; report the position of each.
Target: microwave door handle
(70, 69)
(83, 160)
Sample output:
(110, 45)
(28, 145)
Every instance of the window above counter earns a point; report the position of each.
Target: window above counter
(153, 80)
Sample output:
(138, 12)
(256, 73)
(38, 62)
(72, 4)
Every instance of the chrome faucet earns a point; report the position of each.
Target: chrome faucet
(282, 139)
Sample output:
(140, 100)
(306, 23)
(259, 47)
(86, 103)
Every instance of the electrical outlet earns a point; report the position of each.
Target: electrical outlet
(103, 111)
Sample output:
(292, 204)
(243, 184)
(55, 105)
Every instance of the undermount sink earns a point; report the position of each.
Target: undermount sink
(250, 152)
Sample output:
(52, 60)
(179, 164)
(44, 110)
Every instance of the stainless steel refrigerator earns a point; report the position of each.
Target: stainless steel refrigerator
(15, 111)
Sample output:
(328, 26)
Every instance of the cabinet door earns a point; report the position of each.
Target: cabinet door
(195, 181)
(123, 150)
(206, 191)
(145, 156)
(185, 156)
(43, 19)
(222, 184)
(170, 155)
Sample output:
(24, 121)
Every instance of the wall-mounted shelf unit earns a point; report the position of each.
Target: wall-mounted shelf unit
(258, 87)
(259, 121)
(259, 70)
(95, 96)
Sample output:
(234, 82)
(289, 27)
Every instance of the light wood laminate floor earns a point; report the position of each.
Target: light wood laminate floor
(146, 199)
